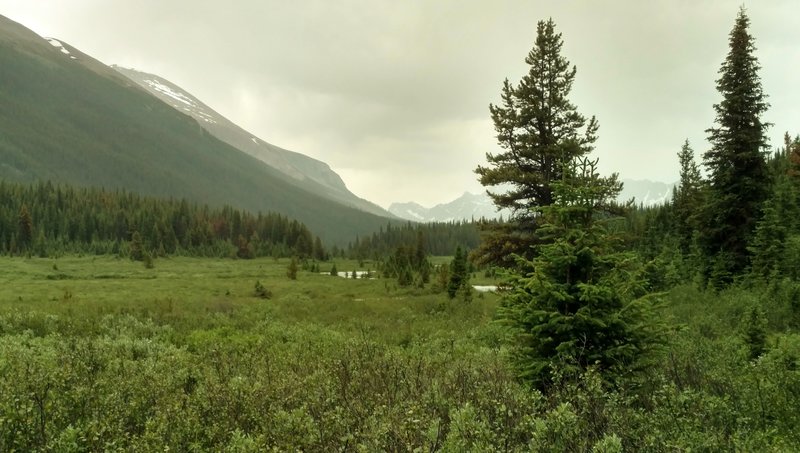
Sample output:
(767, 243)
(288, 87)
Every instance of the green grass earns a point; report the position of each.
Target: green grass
(184, 290)
(115, 350)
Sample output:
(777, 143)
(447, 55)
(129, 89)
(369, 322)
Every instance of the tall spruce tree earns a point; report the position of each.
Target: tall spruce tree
(539, 130)
(575, 307)
(737, 168)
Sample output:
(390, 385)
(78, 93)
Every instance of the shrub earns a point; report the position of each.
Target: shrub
(261, 291)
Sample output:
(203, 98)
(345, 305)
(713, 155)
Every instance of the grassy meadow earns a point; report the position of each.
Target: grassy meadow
(100, 353)
(103, 354)
(186, 291)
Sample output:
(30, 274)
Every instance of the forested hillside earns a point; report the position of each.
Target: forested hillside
(304, 171)
(76, 121)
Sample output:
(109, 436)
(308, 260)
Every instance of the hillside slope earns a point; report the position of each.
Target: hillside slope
(310, 173)
(67, 118)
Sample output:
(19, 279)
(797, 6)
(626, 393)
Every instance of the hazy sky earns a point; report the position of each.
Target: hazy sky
(394, 94)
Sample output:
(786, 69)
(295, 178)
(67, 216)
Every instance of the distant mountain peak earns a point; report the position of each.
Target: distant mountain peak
(645, 191)
(475, 206)
(466, 207)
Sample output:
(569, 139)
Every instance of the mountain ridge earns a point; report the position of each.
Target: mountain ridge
(475, 206)
(306, 170)
(466, 207)
(79, 122)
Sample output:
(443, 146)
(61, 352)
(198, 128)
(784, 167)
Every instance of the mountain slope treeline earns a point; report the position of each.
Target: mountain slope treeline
(49, 220)
(438, 239)
(79, 122)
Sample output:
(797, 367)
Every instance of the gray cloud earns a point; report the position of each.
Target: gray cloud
(394, 95)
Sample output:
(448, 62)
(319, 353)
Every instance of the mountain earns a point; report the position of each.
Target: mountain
(646, 192)
(68, 118)
(466, 207)
(471, 206)
(305, 170)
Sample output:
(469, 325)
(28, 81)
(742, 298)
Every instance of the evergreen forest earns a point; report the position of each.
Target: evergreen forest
(50, 220)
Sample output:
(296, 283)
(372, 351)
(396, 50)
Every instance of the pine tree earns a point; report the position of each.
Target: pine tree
(404, 277)
(319, 251)
(539, 130)
(291, 270)
(25, 228)
(137, 251)
(419, 251)
(459, 274)
(244, 249)
(793, 155)
(773, 233)
(147, 261)
(575, 306)
(425, 272)
(686, 199)
(755, 332)
(442, 278)
(738, 173)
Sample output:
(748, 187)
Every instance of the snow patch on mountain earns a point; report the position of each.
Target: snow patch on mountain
(58, 45)
(414, 214)
(179, 100)
(298, 166)
(645, 192)
(163, 89)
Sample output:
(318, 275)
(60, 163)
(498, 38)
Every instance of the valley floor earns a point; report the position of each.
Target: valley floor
(102, 354)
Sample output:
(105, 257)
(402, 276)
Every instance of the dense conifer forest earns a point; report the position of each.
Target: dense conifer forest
(438, 239)
(50, 220)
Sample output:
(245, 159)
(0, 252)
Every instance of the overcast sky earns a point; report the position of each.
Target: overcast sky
(394, 94)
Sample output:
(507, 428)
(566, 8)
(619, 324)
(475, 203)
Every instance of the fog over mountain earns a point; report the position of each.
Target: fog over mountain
(318, 174)
(466, 207)
(394, 95)
(475, 206)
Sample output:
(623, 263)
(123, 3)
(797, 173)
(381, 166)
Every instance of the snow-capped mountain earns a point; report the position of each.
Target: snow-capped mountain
(309, 173)
(474, 206)
(466, 207)
(646, 192)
